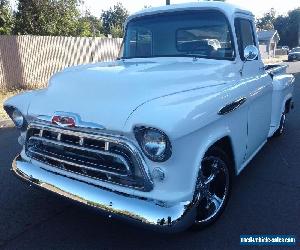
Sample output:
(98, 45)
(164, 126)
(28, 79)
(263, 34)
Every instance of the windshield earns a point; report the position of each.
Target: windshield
(199, 34)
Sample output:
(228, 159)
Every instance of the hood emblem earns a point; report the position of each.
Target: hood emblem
(63, 121)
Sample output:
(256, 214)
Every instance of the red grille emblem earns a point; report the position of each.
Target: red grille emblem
(63, 121)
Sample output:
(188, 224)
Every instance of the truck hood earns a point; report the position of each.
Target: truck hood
(107, 93)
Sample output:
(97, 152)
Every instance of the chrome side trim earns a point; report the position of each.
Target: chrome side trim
(156, 214)
(232, 106)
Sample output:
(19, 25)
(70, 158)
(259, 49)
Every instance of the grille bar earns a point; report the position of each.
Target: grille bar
(33, 138)
(107, 158)
(57, 157)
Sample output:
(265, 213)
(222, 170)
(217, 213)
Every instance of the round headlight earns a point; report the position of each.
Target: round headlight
(154, 143)
(17, 118)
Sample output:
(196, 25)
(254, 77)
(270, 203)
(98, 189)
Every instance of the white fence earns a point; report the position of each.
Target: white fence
(29, 61)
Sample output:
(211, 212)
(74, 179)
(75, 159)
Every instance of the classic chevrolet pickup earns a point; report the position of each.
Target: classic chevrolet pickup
(158, 135)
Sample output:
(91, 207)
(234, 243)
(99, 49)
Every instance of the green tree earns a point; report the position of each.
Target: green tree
(116, 31)
(294, 27)
(281, 24)
(288, 28)
(89, 25)
(266, 22)
(47, 17)
(113, 19)
(6, 18)
(84, 28)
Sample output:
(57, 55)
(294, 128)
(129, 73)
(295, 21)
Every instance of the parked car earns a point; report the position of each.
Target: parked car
(157, 136)
(285, 48)
(294, 54)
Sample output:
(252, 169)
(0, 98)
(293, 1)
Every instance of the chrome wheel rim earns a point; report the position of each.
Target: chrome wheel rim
(213, 188)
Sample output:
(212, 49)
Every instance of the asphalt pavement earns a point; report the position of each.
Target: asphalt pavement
(265, 200)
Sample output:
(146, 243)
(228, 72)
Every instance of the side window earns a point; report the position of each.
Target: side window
(244, 34)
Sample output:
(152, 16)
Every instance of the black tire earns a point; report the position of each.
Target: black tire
(219, 187)
(280, 130)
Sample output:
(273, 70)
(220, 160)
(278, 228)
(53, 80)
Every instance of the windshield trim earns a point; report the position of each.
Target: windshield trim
(234, 56)
(180, 56)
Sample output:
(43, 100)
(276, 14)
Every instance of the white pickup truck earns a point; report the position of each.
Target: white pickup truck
(158, 135)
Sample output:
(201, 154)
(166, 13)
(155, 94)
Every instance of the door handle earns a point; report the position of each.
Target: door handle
(232, 106)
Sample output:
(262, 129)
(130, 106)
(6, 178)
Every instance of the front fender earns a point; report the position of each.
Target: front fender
(192, 123)
(22, 101)
(179, 114)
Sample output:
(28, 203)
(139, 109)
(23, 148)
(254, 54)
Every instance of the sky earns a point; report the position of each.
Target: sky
(258, 7)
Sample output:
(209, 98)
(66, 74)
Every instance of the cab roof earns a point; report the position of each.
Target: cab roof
(228, 9)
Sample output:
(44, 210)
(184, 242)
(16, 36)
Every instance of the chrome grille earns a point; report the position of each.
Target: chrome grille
(96, 156)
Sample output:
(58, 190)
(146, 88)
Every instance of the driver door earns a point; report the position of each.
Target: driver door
(259, 88)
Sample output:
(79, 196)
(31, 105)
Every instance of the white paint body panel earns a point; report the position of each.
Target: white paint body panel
(180, 96)
(282, 92)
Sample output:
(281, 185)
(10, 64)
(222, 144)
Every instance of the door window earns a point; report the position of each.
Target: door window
(245, 34)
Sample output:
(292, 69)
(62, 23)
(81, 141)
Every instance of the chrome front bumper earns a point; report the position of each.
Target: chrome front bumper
(170, 218)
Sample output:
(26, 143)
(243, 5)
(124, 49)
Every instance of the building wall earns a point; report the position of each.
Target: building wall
(268, 48)
(264, 51)
(29, 61)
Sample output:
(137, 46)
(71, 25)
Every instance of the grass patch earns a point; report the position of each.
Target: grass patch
(5, 94)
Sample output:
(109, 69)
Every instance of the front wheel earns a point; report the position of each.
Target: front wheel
(214, 187)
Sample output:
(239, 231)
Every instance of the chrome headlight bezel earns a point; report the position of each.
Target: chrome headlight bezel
(160, 142)
(16, 116)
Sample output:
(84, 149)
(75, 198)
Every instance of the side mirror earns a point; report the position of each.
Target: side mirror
(250, 53)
